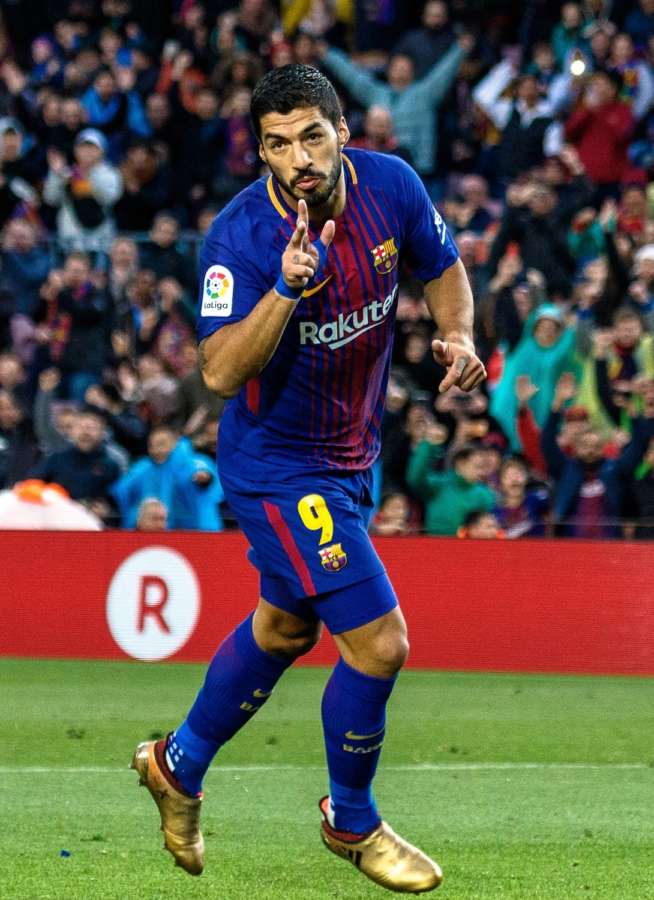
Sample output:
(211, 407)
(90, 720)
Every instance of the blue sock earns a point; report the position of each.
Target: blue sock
(240, 679)
(354, 718)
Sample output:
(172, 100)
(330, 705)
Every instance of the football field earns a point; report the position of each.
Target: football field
(522, 787)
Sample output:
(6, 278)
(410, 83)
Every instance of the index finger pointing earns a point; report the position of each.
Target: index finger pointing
(301, 224)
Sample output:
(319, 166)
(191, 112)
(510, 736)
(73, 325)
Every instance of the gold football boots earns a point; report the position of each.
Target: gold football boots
(180, 814)
(384, 857)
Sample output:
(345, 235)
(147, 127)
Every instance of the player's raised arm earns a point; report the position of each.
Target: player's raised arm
(450, 303)
(237, 352)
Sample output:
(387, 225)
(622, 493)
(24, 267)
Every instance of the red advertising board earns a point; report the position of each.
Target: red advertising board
(539, 606)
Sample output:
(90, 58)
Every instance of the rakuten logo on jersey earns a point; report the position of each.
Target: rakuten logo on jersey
(347, 327)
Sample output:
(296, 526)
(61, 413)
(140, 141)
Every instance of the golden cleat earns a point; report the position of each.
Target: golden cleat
(384, 857)
(180, 814)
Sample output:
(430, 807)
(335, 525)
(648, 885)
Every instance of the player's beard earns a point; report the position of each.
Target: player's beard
(322, 192)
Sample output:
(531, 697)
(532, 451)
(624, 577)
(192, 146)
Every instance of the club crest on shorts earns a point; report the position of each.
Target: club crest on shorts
(384, 256)
(333, 558)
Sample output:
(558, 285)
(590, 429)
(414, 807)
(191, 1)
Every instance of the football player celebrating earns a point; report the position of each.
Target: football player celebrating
(296, 314)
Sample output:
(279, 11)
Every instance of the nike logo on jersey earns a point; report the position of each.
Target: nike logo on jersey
(347, 326)
(351, 736)
(314, 290)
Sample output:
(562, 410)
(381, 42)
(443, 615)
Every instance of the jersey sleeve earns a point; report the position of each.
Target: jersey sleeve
(231, 284)
(428, 245)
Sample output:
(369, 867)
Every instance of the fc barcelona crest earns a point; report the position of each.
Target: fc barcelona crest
(333, 558)
(384, 256)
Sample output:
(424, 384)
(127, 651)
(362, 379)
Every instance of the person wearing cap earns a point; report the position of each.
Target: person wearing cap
(84, 193)
(21, 167)
(545, 350)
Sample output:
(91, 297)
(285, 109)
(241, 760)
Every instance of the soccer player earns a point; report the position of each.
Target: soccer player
(295, 322)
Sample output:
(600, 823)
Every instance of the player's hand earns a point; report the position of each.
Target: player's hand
(462, 363)
(301, 259)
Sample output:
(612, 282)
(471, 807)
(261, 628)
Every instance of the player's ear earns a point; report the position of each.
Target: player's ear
(262, 154)
(343, 132)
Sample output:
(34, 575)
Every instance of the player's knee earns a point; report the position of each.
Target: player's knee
(291, 643)
(299, 644)
(383, 655)
(391, 651)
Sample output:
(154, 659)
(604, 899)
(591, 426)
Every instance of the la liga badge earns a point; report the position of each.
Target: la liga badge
(217, 292)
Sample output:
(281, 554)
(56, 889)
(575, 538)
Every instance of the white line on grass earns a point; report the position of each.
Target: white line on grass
(401, 767)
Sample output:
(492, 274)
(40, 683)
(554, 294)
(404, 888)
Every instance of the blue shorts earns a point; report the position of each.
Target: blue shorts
(309, 540)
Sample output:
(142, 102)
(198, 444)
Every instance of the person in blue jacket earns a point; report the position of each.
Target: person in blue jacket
(186, 482)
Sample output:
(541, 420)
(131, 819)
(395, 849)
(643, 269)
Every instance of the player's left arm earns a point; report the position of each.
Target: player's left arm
(434, 259)
(449, 300)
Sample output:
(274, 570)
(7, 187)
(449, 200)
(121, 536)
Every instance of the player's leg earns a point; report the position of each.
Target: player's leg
(354, 720)
(239, 680)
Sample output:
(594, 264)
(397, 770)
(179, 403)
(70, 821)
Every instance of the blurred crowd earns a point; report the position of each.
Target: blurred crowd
(124, 130)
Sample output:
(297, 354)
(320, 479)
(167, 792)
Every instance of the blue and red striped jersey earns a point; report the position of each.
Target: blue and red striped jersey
(318, 403)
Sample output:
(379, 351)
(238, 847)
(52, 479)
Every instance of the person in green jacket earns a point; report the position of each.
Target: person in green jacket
(413, 104)
(451, 495)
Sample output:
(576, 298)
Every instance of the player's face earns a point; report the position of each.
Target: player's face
(303, 150)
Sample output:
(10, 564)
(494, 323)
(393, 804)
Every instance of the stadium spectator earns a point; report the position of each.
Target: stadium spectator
(123, 266)
(568, 34)
(13, 378)
(84, 193)
(161, 255)
(480, 524)
(378, 134)
(520, 512)
(393, 517)
(185, 482)
(115, 108)
(25, 264)
(589, 488)
(471, 211)
(152, 515)
(54, 421)
(18, 447)
(600, 128)
(637, 78)
(147, 187)
(412, 103)
(531, 222)
(450, 495)
(125, 425)
(426, 45)
(158, 390)
(544, 352)
(74, 317)
(85, 469)
(528, 131)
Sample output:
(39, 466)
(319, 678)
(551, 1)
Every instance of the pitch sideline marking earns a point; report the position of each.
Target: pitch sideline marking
(400, 767)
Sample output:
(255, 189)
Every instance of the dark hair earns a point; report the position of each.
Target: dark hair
(613, 76)
(464, 453)
(291, 87)
(475, 517)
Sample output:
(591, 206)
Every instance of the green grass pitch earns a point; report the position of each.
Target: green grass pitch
(522, 787)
